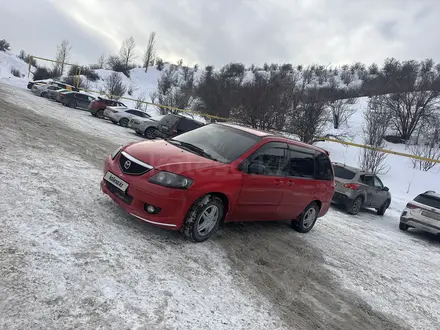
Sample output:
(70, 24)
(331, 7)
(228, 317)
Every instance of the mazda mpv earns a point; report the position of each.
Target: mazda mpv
(220, 173)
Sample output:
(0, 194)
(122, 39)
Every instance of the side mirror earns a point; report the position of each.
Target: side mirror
(386, 189)
(255, 168)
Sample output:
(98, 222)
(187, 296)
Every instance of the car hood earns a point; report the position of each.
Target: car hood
(164, 156)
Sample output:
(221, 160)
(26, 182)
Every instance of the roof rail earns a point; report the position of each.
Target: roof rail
(430, 192)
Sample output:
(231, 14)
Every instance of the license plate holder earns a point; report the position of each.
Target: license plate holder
(431, 215)
(116, 181)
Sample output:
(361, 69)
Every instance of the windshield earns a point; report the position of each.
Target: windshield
(157, 118)
(224, 143)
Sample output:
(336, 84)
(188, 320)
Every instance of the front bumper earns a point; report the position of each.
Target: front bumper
(174, 203)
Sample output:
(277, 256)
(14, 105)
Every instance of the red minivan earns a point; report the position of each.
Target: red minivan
(220, 173)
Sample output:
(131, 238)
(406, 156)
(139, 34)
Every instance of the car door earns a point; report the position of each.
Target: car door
(370, 190)
(79, 98)
(380, 195)
(301, 188)
(261, 193)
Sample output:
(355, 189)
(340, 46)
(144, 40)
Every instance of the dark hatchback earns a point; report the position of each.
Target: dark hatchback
(173, 125)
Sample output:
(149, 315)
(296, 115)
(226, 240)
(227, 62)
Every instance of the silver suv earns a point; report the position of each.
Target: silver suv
(356, 188)
(423, 213)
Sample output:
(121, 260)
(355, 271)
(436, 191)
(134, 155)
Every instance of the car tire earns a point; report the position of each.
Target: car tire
(307, 219)
(100, 114)
(150, 133)
(354, 207)
(403, 226)
(381, 210)
(43, 94)
(72, 104)
(124, 122)
(198, 226)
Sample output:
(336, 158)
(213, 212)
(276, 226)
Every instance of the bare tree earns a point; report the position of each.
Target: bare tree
(310, 117)
(140, 101)
(114, 88)
(101, 61)
(64, 50)
(428, 144)
(376, 122)
(341, 111)
(127, 53)
(150, 51)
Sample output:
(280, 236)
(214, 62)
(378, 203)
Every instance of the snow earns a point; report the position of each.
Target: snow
(187, 285)
(9, 61)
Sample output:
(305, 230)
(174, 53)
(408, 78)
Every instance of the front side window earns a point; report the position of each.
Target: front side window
(272, 156)
(377, 183)
(222, 142)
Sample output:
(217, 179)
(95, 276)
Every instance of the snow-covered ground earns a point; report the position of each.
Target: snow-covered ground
(105, 269)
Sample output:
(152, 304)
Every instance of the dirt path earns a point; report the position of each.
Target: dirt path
(269, 258)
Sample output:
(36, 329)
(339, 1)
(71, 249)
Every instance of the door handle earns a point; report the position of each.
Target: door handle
(290, 183)
(278, 182)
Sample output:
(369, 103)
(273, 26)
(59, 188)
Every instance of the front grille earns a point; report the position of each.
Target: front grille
(126, 198)
(132, 166)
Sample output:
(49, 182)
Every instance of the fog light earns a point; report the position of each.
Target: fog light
(151, 209)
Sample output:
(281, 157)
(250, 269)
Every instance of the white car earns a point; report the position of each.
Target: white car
(44, 89)
(422, 213)
(122, 115)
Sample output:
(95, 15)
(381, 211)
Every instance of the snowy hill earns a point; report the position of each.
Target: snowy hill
(403, 180)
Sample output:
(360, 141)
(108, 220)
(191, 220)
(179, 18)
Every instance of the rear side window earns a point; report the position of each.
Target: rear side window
(323, 167)
(428, 200)
(299, 164)
(343, 173)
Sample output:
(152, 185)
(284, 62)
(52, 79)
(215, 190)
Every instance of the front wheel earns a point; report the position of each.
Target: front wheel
(100, 114)
(381, 210)
(203, 219)
(43, 94)
(307, 219)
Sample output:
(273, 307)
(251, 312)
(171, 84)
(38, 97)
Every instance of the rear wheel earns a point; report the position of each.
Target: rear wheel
(381, 210)
(307, 219)
(403, 226)
(72, 104)
(355, 206)
(43, 94)
(150, 133)
(203, 219)
(124, 122)
(100, 114)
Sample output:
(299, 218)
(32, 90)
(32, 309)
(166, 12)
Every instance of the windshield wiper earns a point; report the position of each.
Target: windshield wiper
(194, 148)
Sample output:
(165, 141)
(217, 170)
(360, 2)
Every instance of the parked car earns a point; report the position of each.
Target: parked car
(53, 94)
(146, 126)
(42, 81)
(75, 99)
(356, 189)
(172, 125)
(43, 89)
(220, 173)
(423, 212)
(98, 106)
(122, 115)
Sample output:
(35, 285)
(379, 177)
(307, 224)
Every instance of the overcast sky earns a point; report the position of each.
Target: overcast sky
(222, 31)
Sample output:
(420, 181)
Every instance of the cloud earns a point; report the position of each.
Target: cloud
(222, 31)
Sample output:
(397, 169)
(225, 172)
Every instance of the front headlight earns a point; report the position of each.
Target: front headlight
(116, 152)
(171, 180)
